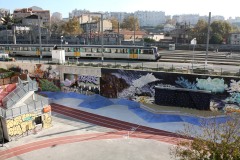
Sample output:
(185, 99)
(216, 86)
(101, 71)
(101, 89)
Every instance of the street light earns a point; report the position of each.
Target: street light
(193, 42)
(102, 35)
(61, 41)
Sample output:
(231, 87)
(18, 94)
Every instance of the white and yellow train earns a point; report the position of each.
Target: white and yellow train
(90, 51)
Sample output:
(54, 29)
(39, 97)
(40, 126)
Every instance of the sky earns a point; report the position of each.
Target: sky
(226, 8)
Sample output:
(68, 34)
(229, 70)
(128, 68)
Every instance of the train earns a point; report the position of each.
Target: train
(85, 51)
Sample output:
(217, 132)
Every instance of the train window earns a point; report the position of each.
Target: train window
(25, 48)
(88, 49)
(116, 50)
(146, 51)
(94, 50)
(82, 50)
(107, 50)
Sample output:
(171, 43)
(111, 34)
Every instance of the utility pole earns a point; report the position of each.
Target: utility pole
(118, 40)
(40, 36)
(134, 29)
(102, 35)
(208, 32)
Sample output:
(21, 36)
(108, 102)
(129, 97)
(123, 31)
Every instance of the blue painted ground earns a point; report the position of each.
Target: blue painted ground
(96, 101)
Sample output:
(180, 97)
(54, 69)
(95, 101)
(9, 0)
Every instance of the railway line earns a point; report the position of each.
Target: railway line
(222, 58)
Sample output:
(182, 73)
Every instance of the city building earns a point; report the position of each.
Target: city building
(95, 26)
(78, 13)
(25, 12)
(150, 18)
(118, 15)
(186, 18)
(234, 38)
(56, 16)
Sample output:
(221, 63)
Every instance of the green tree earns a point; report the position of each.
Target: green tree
(130, 23)
(219, 31)
(199, 32)
(149, 40)
(215, 141)
(72, 27)
(46, 85)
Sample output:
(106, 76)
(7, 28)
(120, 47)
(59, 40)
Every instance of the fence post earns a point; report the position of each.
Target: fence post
(142, 65)
(172, 67)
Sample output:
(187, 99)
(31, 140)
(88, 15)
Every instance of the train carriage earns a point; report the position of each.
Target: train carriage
(90, 51)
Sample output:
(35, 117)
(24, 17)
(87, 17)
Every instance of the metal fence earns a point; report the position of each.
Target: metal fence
(19, 92)
(24, 109)
(190, 68)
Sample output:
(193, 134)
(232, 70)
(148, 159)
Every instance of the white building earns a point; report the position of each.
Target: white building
(186, 18)
(77, 13)
(150, 18)
(118, 15)
(56, 16)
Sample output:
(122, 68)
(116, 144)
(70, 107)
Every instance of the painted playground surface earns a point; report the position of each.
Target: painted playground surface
(129, 111)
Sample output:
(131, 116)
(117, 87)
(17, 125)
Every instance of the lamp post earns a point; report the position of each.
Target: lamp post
(193, 42)
(102, 35)
(40, 36)
(61, 41)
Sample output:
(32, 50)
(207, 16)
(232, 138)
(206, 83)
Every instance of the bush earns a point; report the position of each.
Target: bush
(215, 141)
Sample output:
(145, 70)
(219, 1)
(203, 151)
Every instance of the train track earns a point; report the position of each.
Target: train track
(221, 58)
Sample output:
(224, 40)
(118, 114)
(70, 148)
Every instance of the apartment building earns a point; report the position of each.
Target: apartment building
(118, 15)
(187, 18)
(150, 18)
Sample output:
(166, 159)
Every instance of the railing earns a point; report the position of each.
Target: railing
(24, 109)
(19, 92)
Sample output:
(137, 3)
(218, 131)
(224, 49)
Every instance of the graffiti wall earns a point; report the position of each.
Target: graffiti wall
(26, 124)
(140, 86)
(81, 84)
(48, 76)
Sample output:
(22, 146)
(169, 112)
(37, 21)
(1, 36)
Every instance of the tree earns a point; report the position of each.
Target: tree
(72, 27)
(200, 31)
(8, 21)
(219, 31)
(130, 23)
(149, 40)
(215, 141)
(114, 23)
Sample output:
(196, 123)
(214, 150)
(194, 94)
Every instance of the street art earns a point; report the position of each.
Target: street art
(25, 124)
(21, 126)
(140, 86)
(80, 84)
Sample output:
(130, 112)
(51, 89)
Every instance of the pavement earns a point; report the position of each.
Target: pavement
(72, 139)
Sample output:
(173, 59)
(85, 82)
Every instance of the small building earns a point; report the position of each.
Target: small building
(234, 38)
(22, 112)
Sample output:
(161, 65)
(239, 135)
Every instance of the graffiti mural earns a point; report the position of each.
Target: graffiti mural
(47, 76)
(140, 86)
(81, 84)
(26, 124)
